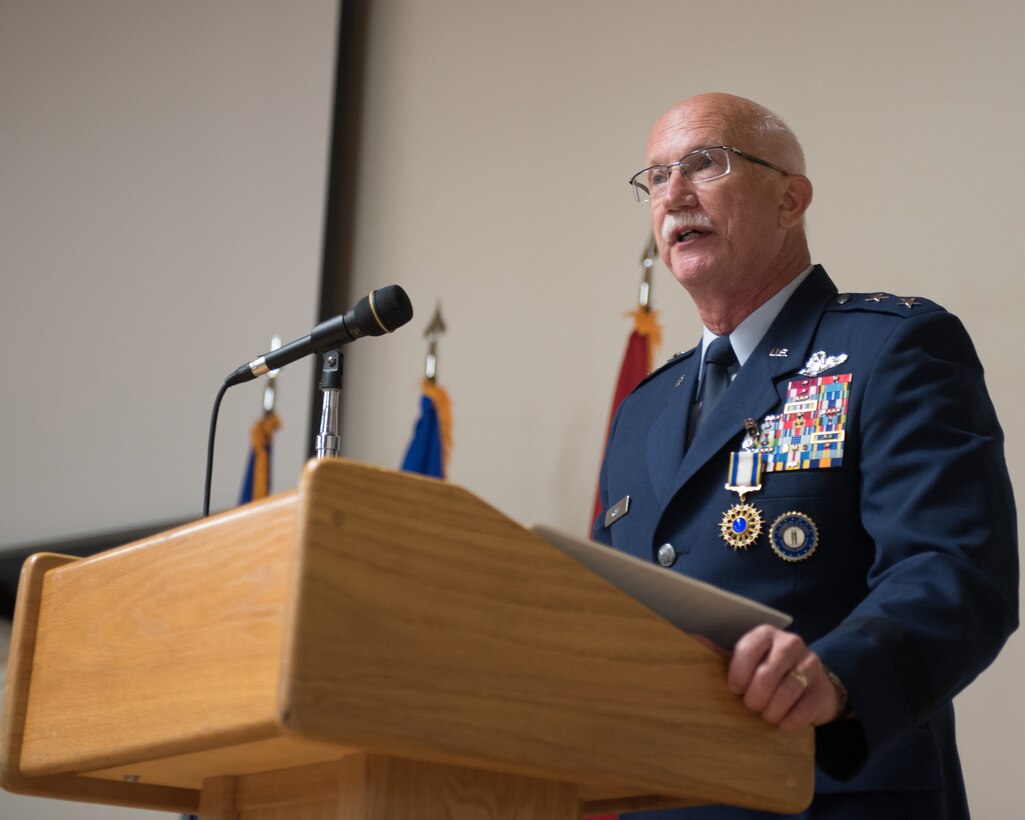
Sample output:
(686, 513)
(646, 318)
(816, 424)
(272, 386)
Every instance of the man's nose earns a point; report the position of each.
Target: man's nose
(679, 189)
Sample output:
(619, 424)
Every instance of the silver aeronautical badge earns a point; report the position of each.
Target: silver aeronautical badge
(794, 536)
(820, 362)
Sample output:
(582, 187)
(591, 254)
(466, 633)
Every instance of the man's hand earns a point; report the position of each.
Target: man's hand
(782, 680)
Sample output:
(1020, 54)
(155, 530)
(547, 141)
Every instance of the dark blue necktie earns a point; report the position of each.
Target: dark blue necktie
(719, 358)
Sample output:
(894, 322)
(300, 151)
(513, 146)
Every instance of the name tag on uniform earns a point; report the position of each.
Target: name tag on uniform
(617, 511)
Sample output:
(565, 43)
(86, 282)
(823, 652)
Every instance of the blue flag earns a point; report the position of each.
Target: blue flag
(425, 451)
(428, 449)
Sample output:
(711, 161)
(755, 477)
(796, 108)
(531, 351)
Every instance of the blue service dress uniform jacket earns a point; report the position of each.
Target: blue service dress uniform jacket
(911, 588)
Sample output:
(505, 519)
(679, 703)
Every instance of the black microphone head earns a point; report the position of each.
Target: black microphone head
(383, 311)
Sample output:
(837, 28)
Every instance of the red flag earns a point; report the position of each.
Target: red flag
(637, 363)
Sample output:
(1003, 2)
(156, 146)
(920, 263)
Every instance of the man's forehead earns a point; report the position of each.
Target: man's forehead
(684, 129)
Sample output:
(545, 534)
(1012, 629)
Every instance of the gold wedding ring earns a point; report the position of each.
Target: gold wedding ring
(800, 677)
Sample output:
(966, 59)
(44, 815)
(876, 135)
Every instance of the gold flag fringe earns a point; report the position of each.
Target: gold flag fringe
(443, 407)
(261, 434)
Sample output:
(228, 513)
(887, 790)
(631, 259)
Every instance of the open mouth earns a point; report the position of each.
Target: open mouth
(686, 236)
(680, 228)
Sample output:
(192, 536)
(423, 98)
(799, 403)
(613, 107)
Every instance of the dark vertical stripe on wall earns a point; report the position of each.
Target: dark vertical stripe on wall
(339, 211)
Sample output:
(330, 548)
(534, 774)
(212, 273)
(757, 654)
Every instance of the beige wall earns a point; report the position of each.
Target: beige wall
(497, 145)
(498, 138)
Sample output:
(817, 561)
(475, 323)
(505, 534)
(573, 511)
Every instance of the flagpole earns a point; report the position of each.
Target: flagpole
(648, 257)
(428, 449)
(434, 330)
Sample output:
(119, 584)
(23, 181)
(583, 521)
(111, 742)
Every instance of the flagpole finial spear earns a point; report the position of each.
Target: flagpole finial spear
(648, 257)
(434, 329)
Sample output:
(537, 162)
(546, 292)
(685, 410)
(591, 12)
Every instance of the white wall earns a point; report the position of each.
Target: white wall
(163, 172)
(497, 143)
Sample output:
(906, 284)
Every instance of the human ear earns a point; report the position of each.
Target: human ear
(795, 201)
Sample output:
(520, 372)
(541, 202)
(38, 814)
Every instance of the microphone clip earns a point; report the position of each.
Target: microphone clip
(329, 443)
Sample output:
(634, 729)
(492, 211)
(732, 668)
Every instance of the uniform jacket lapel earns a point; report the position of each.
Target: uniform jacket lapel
(753, 393)
(667, 436)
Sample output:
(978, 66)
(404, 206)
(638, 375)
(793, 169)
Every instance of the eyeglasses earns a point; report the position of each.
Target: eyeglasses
(702, 165)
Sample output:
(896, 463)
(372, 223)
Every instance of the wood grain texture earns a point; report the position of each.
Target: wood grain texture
(378, 613)
(371, 787)
(163, 647)
(384, 788)
(431, 626)
(16, 697)
(188, 771)
(217, 799)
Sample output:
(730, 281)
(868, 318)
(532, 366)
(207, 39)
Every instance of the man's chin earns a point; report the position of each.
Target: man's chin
(689, 270)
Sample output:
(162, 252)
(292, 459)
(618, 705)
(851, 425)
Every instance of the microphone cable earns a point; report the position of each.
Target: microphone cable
(210, 449)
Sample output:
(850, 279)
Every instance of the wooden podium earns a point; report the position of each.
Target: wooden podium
(370, 645)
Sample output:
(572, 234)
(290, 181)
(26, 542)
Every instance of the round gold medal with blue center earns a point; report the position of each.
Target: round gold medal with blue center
(741, 525)
(794, 536)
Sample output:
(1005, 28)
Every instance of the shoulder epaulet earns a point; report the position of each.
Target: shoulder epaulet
(683, 355)
(882, 302)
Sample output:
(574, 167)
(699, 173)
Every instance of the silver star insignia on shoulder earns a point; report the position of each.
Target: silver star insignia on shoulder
(909, 301)
(877, 297)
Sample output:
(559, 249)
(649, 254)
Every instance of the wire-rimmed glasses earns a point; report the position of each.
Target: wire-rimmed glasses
(702, 165)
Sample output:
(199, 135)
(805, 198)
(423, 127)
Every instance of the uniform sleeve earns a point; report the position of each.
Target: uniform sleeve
(936, 501)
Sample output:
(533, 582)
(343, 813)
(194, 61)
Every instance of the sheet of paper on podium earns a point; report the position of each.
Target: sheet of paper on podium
(694, 606)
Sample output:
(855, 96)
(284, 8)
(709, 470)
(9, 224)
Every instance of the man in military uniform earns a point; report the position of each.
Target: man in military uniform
(833, 455)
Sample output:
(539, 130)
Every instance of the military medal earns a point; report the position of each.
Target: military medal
(794, 536)
(742, 523)
(808, 435)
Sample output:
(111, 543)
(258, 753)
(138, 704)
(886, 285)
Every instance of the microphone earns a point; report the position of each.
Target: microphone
(381, 311)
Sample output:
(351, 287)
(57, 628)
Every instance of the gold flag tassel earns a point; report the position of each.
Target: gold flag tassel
(261, 434)
(260, 437)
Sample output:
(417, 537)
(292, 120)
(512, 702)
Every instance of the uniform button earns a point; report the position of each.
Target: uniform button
(666, 555)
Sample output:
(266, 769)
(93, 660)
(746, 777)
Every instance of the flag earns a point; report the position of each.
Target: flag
(432, 436)
(256, 483)
(637, 363)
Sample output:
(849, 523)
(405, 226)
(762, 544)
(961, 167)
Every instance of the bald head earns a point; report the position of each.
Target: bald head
(740, 122)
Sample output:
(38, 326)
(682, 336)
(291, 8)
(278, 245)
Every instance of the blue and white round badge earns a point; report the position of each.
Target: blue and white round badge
(794, 536)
